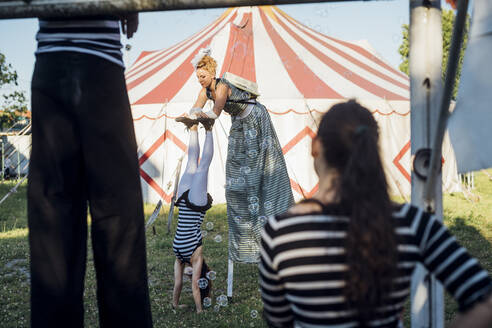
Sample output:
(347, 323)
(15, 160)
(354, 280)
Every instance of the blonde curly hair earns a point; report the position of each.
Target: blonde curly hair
(207, 63)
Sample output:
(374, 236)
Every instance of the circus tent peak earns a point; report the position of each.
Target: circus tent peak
(287, 59)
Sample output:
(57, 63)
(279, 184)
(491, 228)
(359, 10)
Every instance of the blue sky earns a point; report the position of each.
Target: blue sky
(378, 22)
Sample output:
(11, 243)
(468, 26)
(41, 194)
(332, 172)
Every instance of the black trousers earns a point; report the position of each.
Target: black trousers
(84, 152)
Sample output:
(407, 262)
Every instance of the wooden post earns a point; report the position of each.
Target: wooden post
(425, 92)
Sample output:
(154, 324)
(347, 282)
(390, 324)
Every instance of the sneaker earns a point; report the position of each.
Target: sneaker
(207, 122)
(189, 122)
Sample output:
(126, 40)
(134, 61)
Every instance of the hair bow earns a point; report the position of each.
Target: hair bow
(201, 53)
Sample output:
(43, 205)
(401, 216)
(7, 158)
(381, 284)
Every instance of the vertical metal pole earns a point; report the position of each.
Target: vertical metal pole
(444, 113)
(18, 164)
(425, 92)
(230, 277)
(3, 160)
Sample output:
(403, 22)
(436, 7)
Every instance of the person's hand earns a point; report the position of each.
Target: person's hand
(129, 24)
(479, 316)
(201, 114)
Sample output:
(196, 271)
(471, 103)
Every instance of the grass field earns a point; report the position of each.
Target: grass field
(470, 222)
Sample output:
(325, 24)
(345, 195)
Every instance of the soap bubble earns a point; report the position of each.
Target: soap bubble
(216, 307)
(252, 133)
(222, 300)
(202, 283)
(266, 142)
(252, 153)
(218, 238)
(241, 181)
(211, 275)
(204, 233)
(322, 12)
(245, 170)
(207, 301)
(128, 47)
(238, 219)
(268, 205)
(262, 219)
(253, 200)
(209, 225)
(253, 208)
(254, 314)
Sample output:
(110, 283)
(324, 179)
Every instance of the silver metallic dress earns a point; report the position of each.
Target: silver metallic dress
(257, 182)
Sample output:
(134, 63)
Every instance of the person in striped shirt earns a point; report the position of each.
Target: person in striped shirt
(345, 257)
(193, 201)
(84, 153)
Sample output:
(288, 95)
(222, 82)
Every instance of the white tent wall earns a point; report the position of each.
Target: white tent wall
(164, 142)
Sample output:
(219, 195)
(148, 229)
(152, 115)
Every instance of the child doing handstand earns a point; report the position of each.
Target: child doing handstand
(193, 201)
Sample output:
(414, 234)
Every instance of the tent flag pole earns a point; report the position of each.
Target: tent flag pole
(425, 58)
(444, 113)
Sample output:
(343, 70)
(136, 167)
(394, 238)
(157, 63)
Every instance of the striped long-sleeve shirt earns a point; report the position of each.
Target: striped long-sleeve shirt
(97, 36)
(303, 266)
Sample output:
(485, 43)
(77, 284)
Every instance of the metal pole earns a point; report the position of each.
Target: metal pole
(230, 276)
(18, 165)
(14, 189)
(425, 91)
(453, 60)
(65, 8)
(3, 160)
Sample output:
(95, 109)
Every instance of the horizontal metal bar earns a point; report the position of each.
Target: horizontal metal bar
(67, 8)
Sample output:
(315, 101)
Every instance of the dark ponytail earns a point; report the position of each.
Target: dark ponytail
(349, 134)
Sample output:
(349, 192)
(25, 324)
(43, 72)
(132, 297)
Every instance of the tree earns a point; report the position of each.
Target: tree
(13, 104)
(447, 20)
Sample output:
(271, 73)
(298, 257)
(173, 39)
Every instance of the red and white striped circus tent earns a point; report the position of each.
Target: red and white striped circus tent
(300, 74)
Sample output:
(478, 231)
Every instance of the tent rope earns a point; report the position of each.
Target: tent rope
(164, 105)
(311, 114)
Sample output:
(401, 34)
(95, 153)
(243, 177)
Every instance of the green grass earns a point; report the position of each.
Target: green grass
(470, 222)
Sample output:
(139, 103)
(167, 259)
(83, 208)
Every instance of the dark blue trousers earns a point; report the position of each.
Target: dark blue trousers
(84, 154)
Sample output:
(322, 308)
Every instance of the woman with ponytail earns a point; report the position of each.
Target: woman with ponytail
(345, 257)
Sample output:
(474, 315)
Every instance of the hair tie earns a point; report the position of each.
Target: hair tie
(201, 53)
(360, 130)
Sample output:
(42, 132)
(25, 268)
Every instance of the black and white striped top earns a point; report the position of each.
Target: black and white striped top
(303, 264)
(188, 234)
(98, 36)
